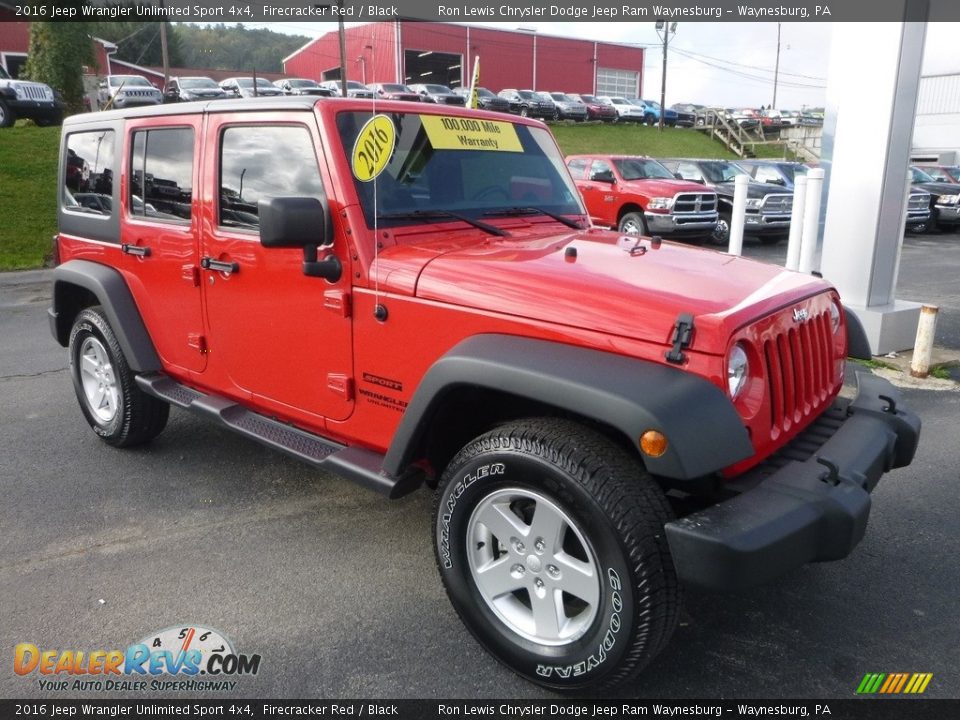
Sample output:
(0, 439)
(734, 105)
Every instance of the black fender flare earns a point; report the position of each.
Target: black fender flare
(112, 293)
(704, 431)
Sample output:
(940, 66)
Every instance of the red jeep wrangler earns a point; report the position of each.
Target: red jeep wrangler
(638, 195)
(410, 295)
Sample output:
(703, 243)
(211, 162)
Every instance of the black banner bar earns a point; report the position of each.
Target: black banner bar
(496, 10)
(862, 709)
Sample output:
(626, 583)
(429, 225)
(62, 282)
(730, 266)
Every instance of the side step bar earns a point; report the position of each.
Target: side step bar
(361, 466)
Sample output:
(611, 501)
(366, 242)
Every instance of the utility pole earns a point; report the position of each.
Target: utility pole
(776, 70)
(666, 28)
(343, 50)
(163, 51)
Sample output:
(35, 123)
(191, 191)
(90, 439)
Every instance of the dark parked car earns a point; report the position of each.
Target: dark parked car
(486, 100)
(439, 94)
(942, 173)
(568, 108)
(525, 103)
(302, 86)
(944, 199)
(185, 89)
(394, 91)
(246, 88)
(686, 113)
(596, 110)
(354, 89)
(768, 208)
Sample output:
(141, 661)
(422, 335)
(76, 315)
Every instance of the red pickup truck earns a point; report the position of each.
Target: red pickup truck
(408, 295)
(638, 195)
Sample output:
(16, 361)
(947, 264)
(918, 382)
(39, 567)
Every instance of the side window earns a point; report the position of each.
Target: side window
(88, 174)
(578, 168)
(259, 161)
(161, 174)
(764, 174)
(602, 171)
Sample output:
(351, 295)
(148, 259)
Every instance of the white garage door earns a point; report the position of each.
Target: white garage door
(617, 83)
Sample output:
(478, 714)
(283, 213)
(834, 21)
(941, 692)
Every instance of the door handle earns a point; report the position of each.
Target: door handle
(219, 265)
(137, 250)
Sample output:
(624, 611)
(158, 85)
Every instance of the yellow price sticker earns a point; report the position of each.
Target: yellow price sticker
(373, 148)
(463, 133)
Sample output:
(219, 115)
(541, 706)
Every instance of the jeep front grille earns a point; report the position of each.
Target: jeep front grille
(34, 91)
(695, 203)
(800, 371)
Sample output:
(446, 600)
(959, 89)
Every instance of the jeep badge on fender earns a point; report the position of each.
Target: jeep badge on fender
(412, 295)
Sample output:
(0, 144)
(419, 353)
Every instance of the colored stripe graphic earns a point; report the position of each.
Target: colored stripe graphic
(894, 683)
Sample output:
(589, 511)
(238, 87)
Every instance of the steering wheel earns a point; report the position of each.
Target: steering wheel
(489, 192)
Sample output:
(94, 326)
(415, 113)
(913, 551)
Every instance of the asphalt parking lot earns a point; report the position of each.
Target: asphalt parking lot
(336, 587)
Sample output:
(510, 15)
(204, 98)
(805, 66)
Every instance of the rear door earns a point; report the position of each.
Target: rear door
(282, 338)
(160, 235)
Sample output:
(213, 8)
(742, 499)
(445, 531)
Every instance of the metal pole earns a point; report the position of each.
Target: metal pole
(811, 221)
(923, 347)
(796, 222)
(663, 82)
(776, 71)
(740, 183)
(343, 50)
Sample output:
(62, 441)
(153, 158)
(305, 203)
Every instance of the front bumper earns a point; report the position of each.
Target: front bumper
(797, 508)
(35, 109)
(948, 214)
(681, 223)
(763, 224)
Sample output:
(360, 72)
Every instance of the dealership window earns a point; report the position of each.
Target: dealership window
(617, 83)
(161, 174)
(259, 161)
(88, 175)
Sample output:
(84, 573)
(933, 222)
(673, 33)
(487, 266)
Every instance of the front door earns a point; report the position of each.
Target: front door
(282, 339)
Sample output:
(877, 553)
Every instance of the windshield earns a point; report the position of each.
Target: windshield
(792, 170)
(651, 103)
(355, 85)
(483, 92)
(442, 164)
(527, 94)
(128, 81)
(589, 99)
(721, 172)
(388, 87)
(641, 169)
(437, 89)
(261, 83)
(198, 83)
(302, 83)
(920, 176)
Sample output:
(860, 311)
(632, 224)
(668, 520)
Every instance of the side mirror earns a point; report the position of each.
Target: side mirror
(604, 176)
(304, 222)
(776, 181)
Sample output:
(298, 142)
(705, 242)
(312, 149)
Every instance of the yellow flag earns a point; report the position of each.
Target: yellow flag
(474, 100)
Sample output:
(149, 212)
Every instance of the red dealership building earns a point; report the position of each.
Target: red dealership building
(426, 52)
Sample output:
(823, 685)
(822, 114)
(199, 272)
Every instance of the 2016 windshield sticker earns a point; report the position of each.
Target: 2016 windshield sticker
(460, 133)
(373, 148)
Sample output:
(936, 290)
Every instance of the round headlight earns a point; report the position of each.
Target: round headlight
(737, 367)
(834, 318)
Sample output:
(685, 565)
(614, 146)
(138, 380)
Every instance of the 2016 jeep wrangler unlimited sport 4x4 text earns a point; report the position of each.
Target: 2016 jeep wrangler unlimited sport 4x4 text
(408, 295)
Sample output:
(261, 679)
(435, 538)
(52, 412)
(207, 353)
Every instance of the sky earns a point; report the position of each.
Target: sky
(725, 64)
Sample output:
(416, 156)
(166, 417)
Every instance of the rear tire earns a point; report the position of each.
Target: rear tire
(116, 409)
(550, 543)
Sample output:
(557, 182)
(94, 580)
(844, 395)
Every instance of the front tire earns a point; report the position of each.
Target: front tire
(721, 233)
(633, 223)
(116, 409)
(550, 543)
(7, 117)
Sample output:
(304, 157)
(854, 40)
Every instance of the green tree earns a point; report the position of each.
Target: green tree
(56, 56)
(139, 42)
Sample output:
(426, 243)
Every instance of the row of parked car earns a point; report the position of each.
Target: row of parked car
(693, 198)
(120, 91)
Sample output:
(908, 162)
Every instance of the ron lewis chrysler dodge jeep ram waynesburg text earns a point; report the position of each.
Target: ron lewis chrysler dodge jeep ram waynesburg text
(411, 295)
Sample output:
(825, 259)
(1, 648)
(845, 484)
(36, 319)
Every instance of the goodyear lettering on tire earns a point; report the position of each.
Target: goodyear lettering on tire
(373, 148)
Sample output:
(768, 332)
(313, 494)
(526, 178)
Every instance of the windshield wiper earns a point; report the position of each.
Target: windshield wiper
(575, 224)
(424, 214)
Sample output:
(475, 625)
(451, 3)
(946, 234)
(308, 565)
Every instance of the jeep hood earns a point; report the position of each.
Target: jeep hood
(607, 289)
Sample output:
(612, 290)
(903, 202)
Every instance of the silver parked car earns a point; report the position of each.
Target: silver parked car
(123, 91)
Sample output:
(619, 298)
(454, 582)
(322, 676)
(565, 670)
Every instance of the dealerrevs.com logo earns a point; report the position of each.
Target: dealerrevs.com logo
(181, 657)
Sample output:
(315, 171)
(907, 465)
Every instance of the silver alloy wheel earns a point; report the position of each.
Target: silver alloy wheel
(631, 227)
(98, 380)
(721, 233)
(533, 567)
